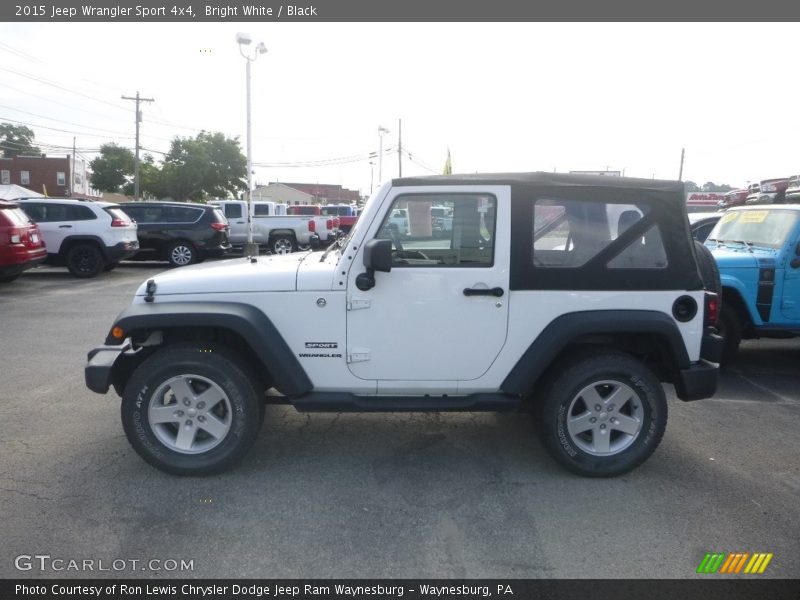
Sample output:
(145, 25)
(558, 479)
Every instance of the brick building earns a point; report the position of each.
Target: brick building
(324, 193)
(50, 175)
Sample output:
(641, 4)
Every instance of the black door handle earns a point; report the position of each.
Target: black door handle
(65, 226)
(496, 291)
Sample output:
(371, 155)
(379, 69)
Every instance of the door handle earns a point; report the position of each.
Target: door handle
(65, 226)
(495, 291)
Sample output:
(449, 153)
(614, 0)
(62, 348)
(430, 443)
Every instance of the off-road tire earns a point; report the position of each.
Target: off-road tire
(730, 327)
(709, 271)
(187, 362)
(642, 397)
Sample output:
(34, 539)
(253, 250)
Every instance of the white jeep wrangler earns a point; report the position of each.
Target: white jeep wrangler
(573, 295)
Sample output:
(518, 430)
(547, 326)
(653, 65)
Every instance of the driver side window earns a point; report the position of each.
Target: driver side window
(441, 230)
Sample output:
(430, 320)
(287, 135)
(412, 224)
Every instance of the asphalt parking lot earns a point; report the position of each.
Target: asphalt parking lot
(375, 495)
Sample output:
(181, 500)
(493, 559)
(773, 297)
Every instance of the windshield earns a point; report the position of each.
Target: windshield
(767, 228)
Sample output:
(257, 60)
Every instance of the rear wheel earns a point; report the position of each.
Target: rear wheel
(282, 244)
(191, 410)
(709, 271)
(603, 415)
(181, 253)
(84, 261)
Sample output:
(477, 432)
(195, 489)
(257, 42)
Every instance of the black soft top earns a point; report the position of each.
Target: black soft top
(665, 190)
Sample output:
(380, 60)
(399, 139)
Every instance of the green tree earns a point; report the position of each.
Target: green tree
(710, 186)
(17, 140)
(112, 169)
(691, 186)
(210, 164)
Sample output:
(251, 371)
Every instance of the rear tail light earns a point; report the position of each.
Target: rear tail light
(329, 224)
(120, 223)
(712, 309)
(219, 226)
(312, 226)
(15, 237)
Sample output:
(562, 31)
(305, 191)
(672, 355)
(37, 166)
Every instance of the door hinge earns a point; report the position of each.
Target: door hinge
(358, 303)
(357, 355)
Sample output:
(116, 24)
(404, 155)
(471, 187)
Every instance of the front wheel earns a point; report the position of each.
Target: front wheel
(603, 415)
(191, 410)
(730, 328)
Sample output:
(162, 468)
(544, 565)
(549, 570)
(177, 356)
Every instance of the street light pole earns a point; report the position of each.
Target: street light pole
(244, 39)
(381, 131)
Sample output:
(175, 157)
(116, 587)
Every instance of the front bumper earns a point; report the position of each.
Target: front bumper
(100, 366)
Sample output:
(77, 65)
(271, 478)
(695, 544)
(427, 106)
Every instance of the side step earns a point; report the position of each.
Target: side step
(345, 402)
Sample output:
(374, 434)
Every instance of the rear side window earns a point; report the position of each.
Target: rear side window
(570, 233)
(261, 210)
(46, 212)
(15, 217)
(180, 214)
(145, 214)
(75, 212)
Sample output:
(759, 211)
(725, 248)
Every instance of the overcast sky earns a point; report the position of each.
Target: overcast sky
(501, 97)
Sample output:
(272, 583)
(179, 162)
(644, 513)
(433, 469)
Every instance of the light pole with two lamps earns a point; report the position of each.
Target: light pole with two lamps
(244, 39)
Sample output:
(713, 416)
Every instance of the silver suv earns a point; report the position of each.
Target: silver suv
(86, 237)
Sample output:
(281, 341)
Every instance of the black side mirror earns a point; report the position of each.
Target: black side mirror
(377, 257)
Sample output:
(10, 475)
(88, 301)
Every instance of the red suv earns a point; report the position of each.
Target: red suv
(21, 244)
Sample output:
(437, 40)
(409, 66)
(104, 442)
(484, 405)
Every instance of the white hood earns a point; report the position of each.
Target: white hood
(266, 274)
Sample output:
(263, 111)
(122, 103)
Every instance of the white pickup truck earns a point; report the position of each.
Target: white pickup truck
(281, 233)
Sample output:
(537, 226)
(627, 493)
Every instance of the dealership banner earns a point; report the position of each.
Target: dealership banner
(709, 199)
(423, 589)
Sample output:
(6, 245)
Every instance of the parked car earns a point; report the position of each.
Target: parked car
(701, 224)
(753, 192)
(21, 243)
(757, 250)
(573, 296)
(345, 213)
(86, 237)
(181, 233)
(282, 234)
(733, 198)
(771, 191)
(793, 189)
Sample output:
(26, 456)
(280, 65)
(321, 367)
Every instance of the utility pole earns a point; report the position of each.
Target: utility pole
(400, 147)
(71, 185)
(136, 163)
(680, 173)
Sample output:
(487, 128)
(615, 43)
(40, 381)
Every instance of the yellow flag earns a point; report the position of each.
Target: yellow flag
(448, 165)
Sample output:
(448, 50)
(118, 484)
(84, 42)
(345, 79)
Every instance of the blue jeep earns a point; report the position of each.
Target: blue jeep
(757, 249)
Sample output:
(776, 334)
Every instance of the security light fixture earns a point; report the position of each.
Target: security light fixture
(243, 38)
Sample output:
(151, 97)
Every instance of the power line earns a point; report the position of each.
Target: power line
(25, 112)
(56, 129)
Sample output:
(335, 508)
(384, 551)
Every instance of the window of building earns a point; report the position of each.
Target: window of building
(5, 177)
(61, 178)
(25, 177)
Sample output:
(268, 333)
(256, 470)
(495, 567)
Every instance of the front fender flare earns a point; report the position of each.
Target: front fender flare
(252, 325)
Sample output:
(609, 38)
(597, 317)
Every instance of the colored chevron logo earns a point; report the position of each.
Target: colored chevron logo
(734, 563)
